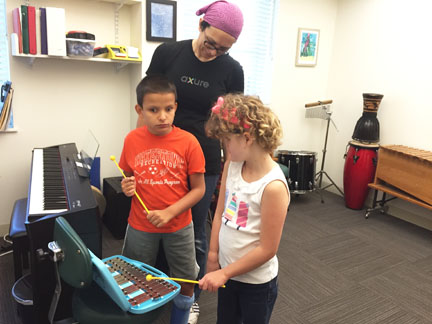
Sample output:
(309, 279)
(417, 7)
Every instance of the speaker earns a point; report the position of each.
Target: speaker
(117, 207)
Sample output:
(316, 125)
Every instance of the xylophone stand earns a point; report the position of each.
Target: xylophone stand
(379, 204)
(321, 172)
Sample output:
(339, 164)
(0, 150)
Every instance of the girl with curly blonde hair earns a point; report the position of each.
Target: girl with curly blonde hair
(250, 212)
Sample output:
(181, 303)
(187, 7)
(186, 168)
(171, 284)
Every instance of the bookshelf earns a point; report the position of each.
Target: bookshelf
(10, 130)
(125, 2)
(116, 18)
(119, 64)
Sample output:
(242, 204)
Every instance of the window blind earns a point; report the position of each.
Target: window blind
(254, 48)
(4, 54)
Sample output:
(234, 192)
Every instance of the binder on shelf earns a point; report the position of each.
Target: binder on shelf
(16, 20)
(56, 31)
(31, 14)
(14, 44)
(24, 32)
(38, 34)
(43, 31)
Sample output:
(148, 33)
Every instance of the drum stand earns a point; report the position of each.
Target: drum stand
(323, 112)
(321, 172)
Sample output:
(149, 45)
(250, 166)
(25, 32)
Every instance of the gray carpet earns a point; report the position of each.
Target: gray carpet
(335, 267)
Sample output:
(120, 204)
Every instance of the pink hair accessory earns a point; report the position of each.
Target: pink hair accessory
(224, 16)
(216, 108)
(233, 120)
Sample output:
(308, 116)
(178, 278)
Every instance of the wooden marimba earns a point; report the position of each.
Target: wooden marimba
(403, 172)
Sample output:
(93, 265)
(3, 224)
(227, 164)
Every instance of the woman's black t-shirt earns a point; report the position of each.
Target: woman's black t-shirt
(199, 84)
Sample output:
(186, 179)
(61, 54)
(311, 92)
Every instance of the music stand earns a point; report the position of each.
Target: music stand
(321, 110)
(84, 159)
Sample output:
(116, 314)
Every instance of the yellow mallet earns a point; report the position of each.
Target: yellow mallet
(150, 277)
(112, 158)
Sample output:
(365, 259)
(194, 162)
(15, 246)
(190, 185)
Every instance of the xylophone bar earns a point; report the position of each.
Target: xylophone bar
(132, 281)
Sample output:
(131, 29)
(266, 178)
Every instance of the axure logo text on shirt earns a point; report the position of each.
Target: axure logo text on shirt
(194, 81)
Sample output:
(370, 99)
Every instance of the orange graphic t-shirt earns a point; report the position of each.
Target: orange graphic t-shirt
(161, 166)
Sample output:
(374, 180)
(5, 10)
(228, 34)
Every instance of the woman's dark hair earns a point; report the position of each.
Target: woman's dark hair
(155, 83)
(204, 25)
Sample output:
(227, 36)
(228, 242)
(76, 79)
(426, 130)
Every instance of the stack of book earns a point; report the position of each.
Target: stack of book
(38, 31)
(6, 106)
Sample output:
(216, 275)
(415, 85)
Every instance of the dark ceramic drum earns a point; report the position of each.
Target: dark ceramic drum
(359, 171)
(301, 165)
(367, 128)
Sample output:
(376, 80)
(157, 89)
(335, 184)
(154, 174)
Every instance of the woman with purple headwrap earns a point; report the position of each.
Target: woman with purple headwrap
(202, 70)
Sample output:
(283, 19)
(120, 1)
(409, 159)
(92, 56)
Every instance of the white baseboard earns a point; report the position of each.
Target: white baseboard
(4, 229)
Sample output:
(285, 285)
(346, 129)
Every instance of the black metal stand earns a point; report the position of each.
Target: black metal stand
(379, 204)
(321, 172)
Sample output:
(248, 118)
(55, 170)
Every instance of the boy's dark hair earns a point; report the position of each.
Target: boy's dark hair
(155, 83)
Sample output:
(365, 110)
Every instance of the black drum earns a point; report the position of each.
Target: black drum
(301, 165)
(367, 128)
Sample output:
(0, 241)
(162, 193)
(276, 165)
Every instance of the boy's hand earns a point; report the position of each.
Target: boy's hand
(213, 280)
(159, 218)
(128, 186)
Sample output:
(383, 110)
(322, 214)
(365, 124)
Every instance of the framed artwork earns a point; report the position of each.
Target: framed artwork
(307, 47)
(161, 18)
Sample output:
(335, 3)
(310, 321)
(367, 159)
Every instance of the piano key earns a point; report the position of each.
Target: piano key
(47, 192)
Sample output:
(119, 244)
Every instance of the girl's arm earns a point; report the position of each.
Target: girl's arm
(197, 188)
(274, 206)
(213, 258)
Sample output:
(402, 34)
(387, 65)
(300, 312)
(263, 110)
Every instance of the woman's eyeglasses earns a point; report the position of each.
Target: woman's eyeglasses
(212, 46)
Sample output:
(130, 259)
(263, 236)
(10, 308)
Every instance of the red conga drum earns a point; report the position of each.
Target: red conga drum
(359, 170)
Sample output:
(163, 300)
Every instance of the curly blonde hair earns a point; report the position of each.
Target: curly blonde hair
(238, 114)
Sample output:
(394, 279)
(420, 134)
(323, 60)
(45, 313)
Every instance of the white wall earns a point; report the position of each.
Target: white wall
(378, 46)
(57, 101)
(382, 46)
(293, 86)
(147, 53)
(365, 46)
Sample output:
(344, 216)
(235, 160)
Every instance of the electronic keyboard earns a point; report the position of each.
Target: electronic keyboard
(57, 189)
(55, 184)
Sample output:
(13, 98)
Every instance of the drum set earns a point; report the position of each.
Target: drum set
(301, 169)
(302, 164)
(360, 156)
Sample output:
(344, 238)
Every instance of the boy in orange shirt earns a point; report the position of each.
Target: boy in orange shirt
(165, 166)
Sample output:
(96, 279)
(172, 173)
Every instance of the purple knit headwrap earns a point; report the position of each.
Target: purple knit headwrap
(224, 16)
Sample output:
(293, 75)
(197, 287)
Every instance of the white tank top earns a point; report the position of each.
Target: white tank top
(241, 221)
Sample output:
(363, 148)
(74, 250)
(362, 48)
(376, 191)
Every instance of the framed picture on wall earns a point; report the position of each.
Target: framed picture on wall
(161, 18)
(307, 47)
